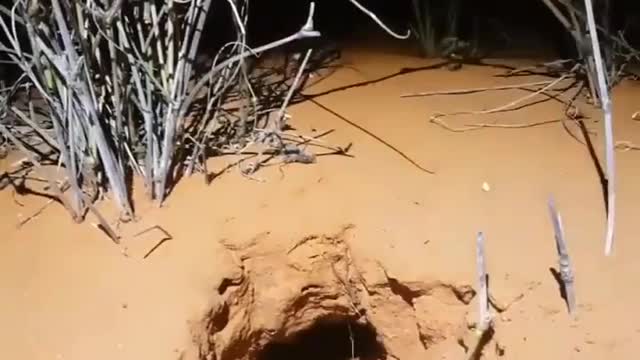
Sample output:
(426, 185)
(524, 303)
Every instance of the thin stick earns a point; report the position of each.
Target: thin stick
(155, 247)
(475, 90)
(579, 36)
(294, 86)
(484, 329)
(103, 224)
(376, 137)
(375, 18)
(506, 106)
(159, 228)
(564, 263)
(624, 145)
(35, 214)
(608, 128)
(353, 343)
(546, 65)
(471, 127)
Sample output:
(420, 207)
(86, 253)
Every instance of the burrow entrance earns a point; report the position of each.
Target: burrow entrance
(313, 303)
(328, 339)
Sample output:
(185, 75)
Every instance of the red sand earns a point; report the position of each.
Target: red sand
(69, 293)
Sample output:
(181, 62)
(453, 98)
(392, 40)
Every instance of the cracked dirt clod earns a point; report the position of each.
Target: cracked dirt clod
(276, 294)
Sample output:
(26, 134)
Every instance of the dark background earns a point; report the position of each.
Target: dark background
(339, 20)
(528, 23)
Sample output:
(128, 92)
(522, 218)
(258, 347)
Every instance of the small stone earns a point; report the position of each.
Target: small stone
(636, 116)
(486, 187)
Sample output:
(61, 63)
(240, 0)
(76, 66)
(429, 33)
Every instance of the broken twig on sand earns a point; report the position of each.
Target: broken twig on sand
(470, 127)
(509, 105)
(35, 214)
(166, 237)
(475, 90)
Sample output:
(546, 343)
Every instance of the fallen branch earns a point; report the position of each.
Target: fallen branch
(552, 65)
(475, 90)
(471, 127)
(509, 105)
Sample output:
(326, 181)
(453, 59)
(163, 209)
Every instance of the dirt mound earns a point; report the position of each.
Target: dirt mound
(318, 299)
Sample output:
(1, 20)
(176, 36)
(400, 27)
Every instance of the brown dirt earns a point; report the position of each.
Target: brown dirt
(384, 243)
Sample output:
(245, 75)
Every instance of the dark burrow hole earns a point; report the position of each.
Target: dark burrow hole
(328, 339)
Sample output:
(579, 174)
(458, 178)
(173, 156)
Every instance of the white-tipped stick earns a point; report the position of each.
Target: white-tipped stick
(484, 318)
(475, 341)
(564, 263)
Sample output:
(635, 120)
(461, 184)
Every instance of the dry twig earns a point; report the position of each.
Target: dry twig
(471, 127)
(166, 237)
(475, 90)
(624, 145)
(505, 106)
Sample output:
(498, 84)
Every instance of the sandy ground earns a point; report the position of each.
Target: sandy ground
(67, 292)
